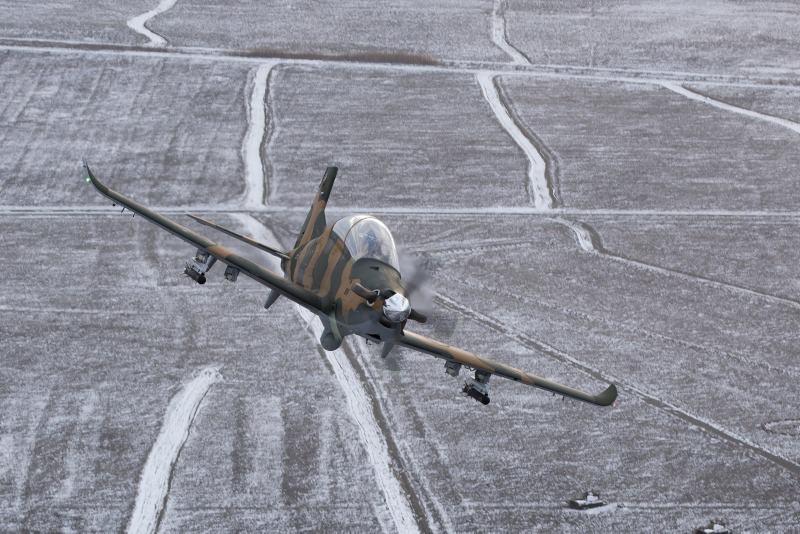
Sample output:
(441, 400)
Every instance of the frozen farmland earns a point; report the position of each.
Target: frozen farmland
(599, 193)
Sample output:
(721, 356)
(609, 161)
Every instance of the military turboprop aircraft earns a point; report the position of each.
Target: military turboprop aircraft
(347, 274)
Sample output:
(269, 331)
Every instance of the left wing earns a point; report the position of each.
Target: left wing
(453, 354)
(258, 273)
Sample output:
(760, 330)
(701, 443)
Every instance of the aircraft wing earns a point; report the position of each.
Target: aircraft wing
(447, 352)
(227, 256)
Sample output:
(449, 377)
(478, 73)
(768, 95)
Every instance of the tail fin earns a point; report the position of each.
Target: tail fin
(315, 221)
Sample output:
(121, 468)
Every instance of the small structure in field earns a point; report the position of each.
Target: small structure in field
(713, 528)
(589, 500)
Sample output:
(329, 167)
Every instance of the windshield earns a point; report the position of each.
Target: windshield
(367, 237)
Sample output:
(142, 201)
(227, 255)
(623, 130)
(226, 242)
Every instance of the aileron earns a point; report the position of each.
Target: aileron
(462, 357)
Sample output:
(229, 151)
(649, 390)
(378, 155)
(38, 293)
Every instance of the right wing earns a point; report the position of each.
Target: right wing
(447, 352)
(258, 273)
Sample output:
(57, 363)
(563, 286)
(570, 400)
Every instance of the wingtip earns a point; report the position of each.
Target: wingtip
(89, 176)
(607, 397)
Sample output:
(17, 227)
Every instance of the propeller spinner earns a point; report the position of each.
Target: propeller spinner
(397, 308)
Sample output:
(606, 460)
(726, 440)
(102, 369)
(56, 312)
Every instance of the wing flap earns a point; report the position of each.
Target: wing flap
(468, 359)
(227, 256)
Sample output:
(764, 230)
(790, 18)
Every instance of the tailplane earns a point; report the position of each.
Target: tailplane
(240, 237)
(315, 221)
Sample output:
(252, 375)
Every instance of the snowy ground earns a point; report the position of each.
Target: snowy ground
(589, 225)
(714, 36)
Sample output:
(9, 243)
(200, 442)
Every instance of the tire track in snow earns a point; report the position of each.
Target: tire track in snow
(406, 511)
(589, 241)
(586, 236)
(539, 191)
(688, 93)
(366, 360)
(104, 210)
(256, 138)
(153, 491)
(643, 333)
(545, 70)
(667, 407)
(551, 159)
(500, 36)
(4, 308)
(138, 23)
(359, 406)
(481, 245)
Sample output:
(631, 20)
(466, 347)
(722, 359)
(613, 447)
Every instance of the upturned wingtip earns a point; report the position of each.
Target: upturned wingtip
(89, 176)
(607, 397)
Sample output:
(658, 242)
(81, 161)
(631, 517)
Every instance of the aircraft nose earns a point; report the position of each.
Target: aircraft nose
(397, 308)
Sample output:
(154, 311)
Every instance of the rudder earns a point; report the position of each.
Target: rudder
(315, 220)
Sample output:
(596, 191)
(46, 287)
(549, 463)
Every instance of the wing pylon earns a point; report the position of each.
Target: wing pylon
(485, 367)
(241, 264)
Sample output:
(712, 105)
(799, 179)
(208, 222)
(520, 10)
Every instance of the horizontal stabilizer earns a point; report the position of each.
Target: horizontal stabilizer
(240, 264)
(240, 237)
(607, 397)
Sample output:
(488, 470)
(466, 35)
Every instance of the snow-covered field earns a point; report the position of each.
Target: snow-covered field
(713, 36)
(583, 226)
(643, 146)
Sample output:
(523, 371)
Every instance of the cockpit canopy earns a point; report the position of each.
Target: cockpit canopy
(367, 237)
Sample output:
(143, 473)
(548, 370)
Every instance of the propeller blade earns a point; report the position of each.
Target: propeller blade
(417, 316)
(366, 294)
(416, 282)
(414, 274)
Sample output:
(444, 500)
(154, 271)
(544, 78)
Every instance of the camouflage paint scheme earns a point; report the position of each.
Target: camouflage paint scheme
(347, 294)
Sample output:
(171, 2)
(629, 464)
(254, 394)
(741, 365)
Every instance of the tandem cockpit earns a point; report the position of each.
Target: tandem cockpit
(364, 236)
(371, 246)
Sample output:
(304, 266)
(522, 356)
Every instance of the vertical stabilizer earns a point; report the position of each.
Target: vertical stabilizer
(315, 221)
